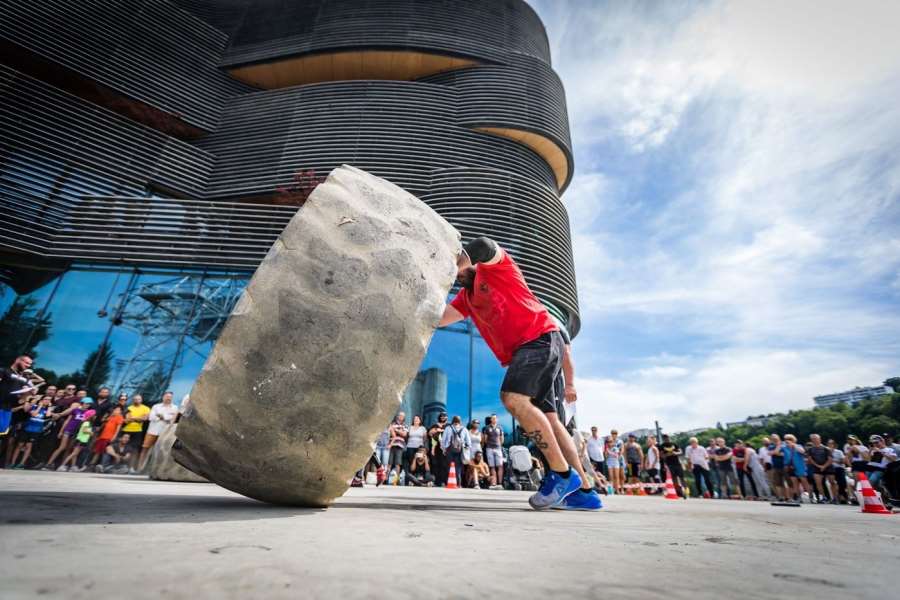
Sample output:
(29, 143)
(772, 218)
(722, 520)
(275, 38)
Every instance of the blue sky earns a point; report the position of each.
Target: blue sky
(736, 203)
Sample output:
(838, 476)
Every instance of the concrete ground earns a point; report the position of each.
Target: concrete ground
(66, 535)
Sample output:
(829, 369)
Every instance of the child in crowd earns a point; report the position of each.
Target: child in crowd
(33, 430)
(82, 439)
(108, 432)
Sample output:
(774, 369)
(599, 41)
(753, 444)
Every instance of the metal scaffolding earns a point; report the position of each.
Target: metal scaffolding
(171, 317)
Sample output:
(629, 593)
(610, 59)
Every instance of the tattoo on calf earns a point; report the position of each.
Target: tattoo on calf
(537, 438)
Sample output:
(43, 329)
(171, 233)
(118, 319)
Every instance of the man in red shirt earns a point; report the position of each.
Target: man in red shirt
(526, 340)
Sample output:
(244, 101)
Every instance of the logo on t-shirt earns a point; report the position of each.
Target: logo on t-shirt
(483, 288)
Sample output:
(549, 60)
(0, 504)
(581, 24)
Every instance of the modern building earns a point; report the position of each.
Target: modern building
(760, 421)
(151, 151)
(851, 397)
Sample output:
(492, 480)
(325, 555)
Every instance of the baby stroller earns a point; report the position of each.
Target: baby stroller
(519, 469)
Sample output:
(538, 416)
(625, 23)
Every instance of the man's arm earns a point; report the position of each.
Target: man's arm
(450, 316)
(568, 369)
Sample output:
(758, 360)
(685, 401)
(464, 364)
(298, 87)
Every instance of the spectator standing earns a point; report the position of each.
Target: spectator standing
(419, 472)
(455, 442)
(652, 462)
(820, 463)
(838, 470)
(634, 458)
(492, 438)
(136, 415)
(74, 416)
(745, 476)
(438, 459)
(475, 435)
(795, 468)
(103, 404)
(398, 433)
(757, 472)
(671, 455)
(614, 461)
(595, 451)
(713, 466)
(82, 440)
(383, 447)
(161, 416)
(108, 432)
(34, 428)
(416, 439)
(776, 454)
(727, 479)
(698, 462)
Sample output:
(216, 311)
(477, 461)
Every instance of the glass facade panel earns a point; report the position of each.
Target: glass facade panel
(160, 327)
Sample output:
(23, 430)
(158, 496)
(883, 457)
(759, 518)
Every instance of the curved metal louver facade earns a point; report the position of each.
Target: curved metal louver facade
(483, 140)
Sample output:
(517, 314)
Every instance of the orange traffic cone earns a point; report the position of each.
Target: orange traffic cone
(670, 488)
(640, 490)
(451, 477)
(870, 501)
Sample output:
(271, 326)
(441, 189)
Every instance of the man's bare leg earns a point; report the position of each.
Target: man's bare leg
(567, 446)
(537, 427)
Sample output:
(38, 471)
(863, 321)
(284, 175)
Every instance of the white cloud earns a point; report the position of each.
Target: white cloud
(724, 386)
(737, 182)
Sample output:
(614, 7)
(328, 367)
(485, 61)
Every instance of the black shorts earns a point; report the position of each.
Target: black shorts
(135, 440)
(534, 370)
(675, 469)
(29, 437)
(634, 469)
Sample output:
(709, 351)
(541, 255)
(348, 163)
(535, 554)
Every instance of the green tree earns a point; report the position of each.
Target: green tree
(877, 425)
(830, 424)
(97, 368)
(153, 385)
(22, 328)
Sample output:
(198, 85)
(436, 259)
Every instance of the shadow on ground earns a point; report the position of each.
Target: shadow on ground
(53, 508)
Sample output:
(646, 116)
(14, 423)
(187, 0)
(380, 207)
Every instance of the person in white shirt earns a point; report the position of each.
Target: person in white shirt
(595, 450)
(698, 460)
(880, 456)
(161, 416)
(651, 460)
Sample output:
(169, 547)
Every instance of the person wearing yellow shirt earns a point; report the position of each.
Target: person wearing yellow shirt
(136, 415)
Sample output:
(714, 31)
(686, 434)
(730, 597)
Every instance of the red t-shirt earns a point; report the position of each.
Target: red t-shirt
(505, 311)
(109, 428)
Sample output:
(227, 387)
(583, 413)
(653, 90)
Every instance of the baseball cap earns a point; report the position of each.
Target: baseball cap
(876, 438)
(87, 400)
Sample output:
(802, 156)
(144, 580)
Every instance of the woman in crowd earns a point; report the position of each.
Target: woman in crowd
(82, 439)
(475, 436)
(415, 439)
(438, 459)
(795, 468)
(67, 432)
(614, 462)
(383, 447)
(398, 434)
(757, 472)
(838, 471)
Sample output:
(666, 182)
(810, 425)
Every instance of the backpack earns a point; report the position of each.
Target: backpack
(456, 443)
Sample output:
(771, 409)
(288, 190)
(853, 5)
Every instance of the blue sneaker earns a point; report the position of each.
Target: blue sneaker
(554, 490)
(581, 501)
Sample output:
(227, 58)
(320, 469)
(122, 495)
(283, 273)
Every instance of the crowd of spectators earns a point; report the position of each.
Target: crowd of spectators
(46, 426)
(59, 427)
(419, 456)
(779, 469)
